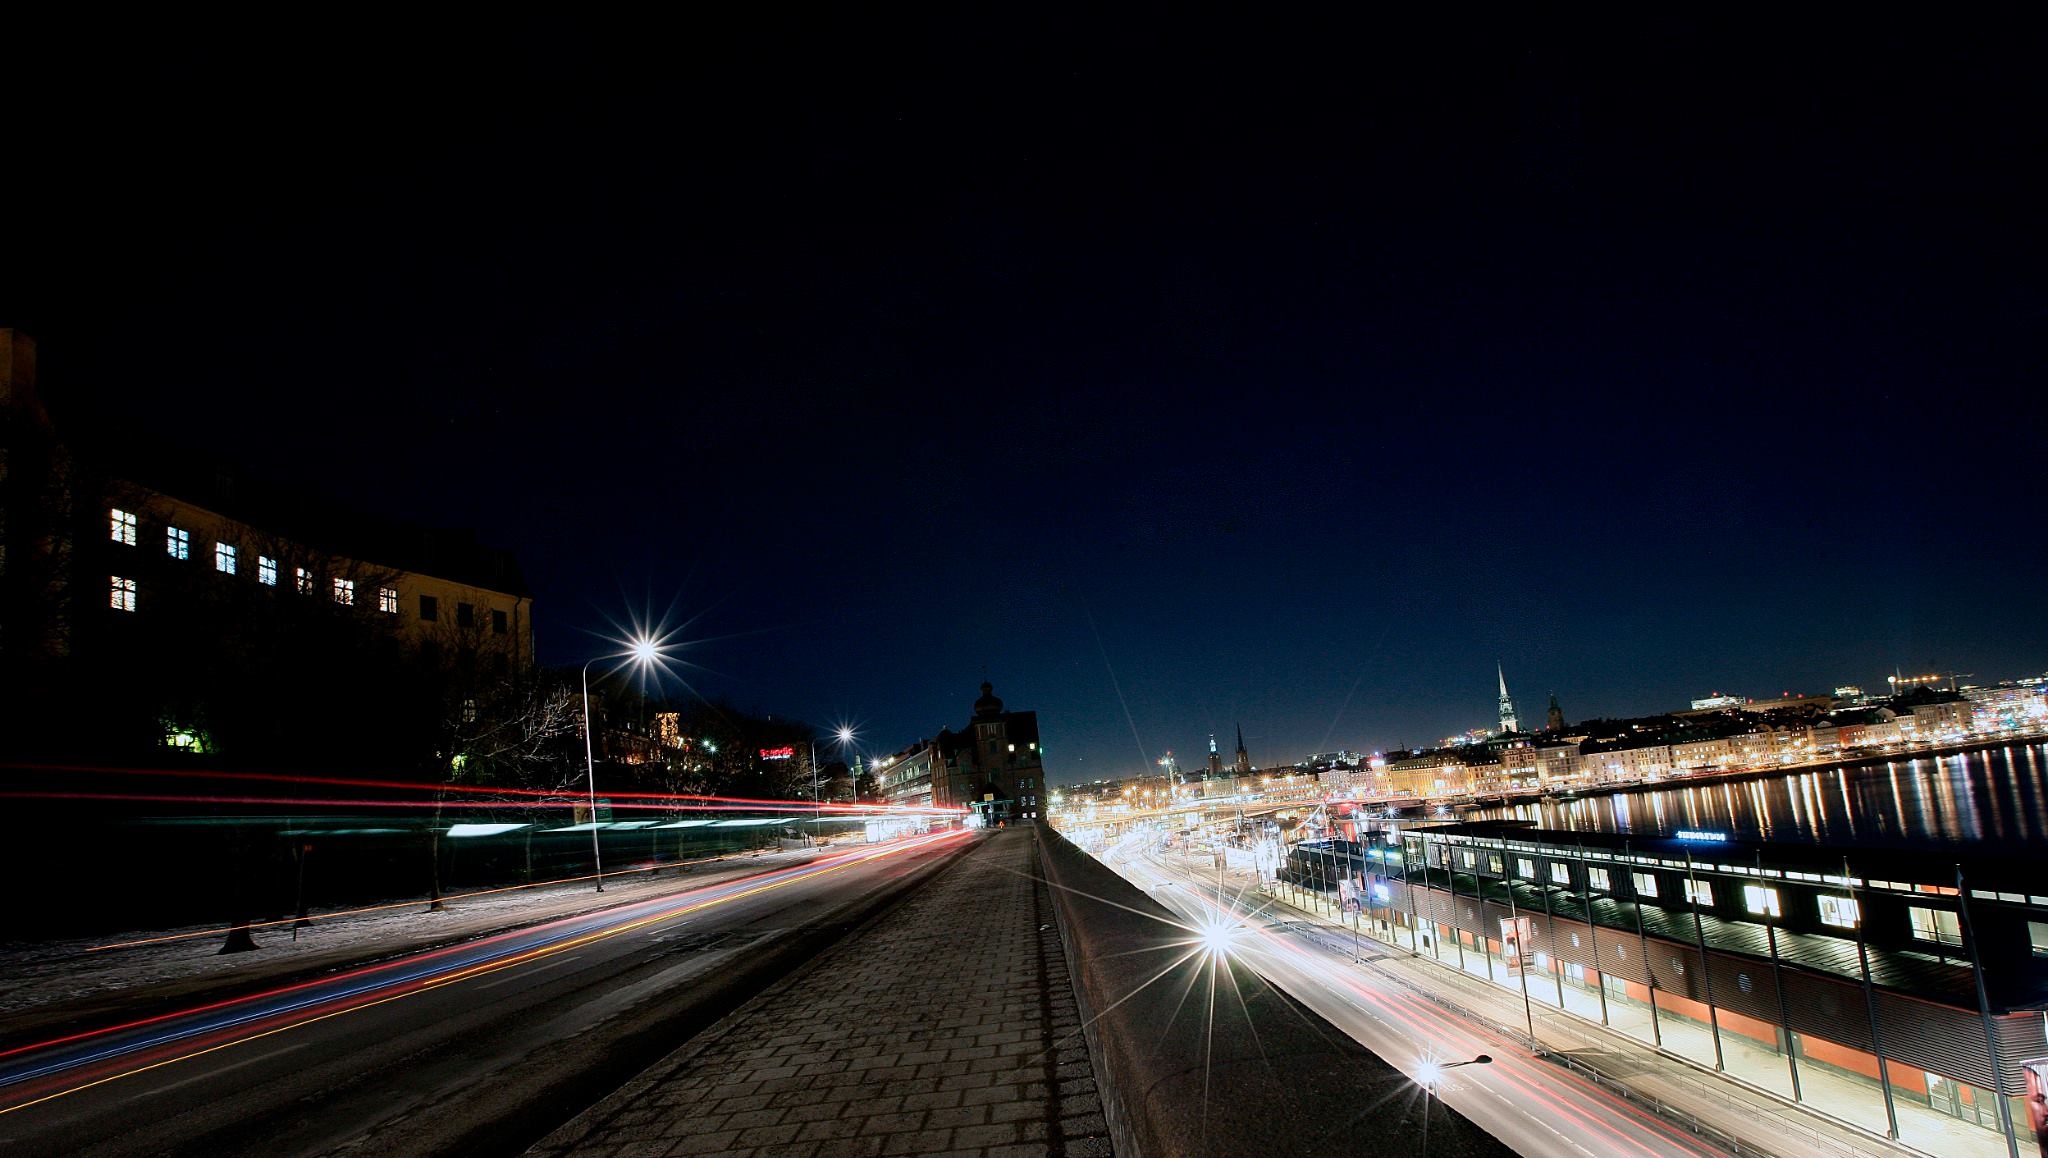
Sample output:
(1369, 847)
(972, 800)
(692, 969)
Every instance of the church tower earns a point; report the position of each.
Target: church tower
(1215, 761)
(1556, 721)
(1244, 760)
(1507, 706)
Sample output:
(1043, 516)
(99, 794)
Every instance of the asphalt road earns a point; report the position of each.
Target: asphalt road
(477, 1048)
(1539, 1109)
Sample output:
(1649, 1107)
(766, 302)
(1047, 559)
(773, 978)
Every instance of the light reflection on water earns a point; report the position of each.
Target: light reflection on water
(1997, 797)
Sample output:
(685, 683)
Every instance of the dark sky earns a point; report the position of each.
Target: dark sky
(1170, 370)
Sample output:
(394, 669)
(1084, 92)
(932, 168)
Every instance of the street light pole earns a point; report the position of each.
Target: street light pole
(643, 651)
(844, 735)
(590, 774)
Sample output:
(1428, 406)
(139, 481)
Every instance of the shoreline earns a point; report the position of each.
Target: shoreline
(1515, 797)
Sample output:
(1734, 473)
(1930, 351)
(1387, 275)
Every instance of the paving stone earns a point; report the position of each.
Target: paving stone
(966, 1043)
(850, 1147)
(957, 1116)
(917, 1142)
(752, 1118)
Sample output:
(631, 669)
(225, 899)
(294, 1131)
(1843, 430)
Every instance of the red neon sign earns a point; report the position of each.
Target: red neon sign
(777, 753)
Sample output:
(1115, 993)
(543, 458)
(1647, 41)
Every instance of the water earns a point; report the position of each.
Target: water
(1994, 800)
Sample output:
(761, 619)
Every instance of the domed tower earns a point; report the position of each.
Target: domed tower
(988, 706)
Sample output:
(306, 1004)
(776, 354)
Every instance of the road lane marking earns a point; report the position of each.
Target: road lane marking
(183, 1082)
(529, 972)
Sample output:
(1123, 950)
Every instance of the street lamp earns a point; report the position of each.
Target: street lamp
(642, 652)
(844, 734)
(1429, 1073)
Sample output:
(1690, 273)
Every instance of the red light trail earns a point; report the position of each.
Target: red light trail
(406, 978)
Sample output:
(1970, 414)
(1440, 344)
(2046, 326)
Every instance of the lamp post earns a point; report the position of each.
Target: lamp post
(844, 735)
(1427, 1075)
(643, 653)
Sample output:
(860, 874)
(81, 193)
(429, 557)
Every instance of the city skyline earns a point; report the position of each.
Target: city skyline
(1368, 746)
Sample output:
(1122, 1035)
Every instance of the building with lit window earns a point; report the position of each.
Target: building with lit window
(1896, 989)
(98, 539)
(994, 766)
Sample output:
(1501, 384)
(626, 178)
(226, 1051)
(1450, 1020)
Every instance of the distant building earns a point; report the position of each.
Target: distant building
(994, 766)
(1554, 722)
(1243, 764)
(1508, 722)
(1717, 702)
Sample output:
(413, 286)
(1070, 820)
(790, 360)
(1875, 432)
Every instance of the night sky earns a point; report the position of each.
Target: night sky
(1172, 371)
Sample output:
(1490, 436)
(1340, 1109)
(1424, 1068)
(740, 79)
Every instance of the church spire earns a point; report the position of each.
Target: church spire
(1507, 706)
(1244, 760)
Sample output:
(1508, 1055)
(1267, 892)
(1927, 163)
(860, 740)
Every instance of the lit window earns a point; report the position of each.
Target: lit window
(2037, 935)
(1560, 873)
(178, 541)
(1761, 900)
(124, 594)
(1699, 892)
(266, 570)
(1841, 912)
(1525, 868)
(1937, 925)
(387, 600)
(124, 526)
(1646, 884)
(345, 591)
(224, 558)
(1596, 878)
(305, 580)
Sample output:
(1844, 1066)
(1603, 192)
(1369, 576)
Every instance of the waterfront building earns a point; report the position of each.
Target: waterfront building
(1439, 773)
(2014, 708)
(1890, 988)
(1519, 765)
(1558, 765)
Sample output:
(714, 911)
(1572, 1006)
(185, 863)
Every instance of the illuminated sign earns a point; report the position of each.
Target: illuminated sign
(1692, 834)
(778, 753)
